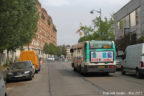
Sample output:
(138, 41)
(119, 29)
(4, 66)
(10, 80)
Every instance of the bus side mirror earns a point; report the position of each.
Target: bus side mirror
(71, 50)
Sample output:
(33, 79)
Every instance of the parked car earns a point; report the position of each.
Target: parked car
(33, 67)
(134, 60)
(20, 71)
(30, 55)
(2, 86)
(51, 58)
(118, 63)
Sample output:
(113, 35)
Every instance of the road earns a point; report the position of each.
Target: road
(59, 79)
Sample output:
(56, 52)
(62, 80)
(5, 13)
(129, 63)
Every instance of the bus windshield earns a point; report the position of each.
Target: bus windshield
(101, 45)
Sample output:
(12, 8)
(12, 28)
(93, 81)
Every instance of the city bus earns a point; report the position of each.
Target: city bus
(94, 56)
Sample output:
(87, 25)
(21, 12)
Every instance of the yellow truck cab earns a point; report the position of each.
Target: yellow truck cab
(30, 55)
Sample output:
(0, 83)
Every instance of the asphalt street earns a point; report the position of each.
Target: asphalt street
(59, 79)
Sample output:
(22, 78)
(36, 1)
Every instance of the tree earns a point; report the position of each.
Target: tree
(45, 48)
(128, 39)
(100, 30)
(63, 50)
(51, 49)
(58, 51)
(18, 23)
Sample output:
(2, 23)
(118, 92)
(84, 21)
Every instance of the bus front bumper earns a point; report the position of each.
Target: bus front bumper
(100, 68)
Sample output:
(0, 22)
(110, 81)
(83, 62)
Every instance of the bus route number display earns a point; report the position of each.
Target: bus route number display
(106, 56)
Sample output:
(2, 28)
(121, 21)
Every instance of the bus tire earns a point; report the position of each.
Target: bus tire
(79, 68)
(84, 73)
(74, 69)
(107, 73)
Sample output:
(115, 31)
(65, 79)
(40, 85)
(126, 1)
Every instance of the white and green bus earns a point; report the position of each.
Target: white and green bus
(94, 56)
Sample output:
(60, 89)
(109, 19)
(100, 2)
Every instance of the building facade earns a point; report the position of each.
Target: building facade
(129, 19)
(68, 54)
(46, 32)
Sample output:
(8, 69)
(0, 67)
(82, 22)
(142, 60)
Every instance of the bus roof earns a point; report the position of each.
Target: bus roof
(81, 44)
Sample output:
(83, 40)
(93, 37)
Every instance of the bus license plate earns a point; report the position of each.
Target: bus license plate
(101, 66)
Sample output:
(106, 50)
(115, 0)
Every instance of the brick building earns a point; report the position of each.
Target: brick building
(46, 32)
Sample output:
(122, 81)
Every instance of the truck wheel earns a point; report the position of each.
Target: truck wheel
(138, 74)
(122, 71)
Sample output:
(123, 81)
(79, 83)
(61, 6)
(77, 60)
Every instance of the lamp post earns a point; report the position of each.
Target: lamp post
(100, 12)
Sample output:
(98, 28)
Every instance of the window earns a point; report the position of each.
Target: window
(126, 22)
(42, 16)
(49, 22)
(137, 15)
(120, 24)
(133, 19)
(101, 45)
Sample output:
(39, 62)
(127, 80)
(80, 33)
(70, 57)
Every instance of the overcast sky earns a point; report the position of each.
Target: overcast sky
(68, 14)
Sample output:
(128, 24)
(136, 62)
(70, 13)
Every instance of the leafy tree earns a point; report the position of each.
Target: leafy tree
(128, 39)
(141, 39)
(58, 51)
(51, 49)
(18, 23)
(63, 50)
(45, 48)
(100, 30)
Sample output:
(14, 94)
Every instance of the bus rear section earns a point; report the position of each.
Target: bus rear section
(101, 61)
(100, 57)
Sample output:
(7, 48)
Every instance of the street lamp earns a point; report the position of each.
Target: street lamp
(100, 12)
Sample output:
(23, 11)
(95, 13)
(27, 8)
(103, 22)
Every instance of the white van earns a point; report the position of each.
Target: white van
(134, 60)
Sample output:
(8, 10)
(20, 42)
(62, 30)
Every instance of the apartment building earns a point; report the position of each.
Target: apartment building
(129, 19)
(46, 32)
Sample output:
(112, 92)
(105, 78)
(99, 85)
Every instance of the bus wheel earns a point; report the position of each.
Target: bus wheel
(75, 69)
(85, 74)
(79, 68)
(107, 73)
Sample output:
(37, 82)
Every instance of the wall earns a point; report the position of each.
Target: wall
(126, 10)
